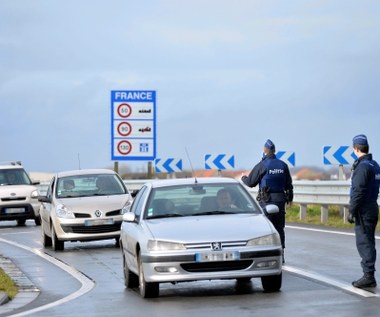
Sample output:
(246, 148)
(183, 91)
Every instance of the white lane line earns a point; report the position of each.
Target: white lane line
(318, 277)
(87, 283)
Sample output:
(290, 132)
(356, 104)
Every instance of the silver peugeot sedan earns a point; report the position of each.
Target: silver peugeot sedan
(83, 205)
(194, 229)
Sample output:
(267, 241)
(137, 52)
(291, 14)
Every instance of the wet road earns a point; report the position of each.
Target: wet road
(87, 280)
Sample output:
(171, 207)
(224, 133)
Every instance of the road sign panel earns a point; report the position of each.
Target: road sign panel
(338, 155)
(288, 157)
(169, 165)
(133, 125)
(219, 161)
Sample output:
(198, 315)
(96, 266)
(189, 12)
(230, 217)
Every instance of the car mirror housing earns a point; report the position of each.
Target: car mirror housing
(129, 217)
(271, 209)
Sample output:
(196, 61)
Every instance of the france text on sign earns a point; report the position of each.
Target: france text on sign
(133, 125)
(338, 155)
(288, 157)
(169, 165)
(219, 161)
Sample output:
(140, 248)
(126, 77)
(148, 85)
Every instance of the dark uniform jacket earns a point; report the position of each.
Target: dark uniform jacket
(273, 175)
(364, 191)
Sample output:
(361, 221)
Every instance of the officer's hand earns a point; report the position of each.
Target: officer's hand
(351, 218)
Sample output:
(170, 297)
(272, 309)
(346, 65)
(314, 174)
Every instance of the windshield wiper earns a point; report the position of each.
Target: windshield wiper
(164, 216)
(214, 212)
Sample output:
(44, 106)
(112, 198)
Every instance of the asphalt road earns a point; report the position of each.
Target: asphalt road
(87, 280)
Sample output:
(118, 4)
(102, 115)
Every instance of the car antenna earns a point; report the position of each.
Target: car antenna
(191, 165)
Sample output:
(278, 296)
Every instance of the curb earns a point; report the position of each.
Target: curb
(27, 291)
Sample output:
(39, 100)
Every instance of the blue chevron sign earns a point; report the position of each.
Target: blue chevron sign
(219, 161)
(341, 155)
(288, 157)
(169, 165)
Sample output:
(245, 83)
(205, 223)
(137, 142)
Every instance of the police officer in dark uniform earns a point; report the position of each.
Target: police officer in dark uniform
(275, 186)
(363, 210)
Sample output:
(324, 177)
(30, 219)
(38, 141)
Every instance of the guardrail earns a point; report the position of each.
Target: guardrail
(323, 193)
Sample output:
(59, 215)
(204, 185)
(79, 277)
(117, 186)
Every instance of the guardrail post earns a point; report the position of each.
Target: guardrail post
(324, 213)
(303, 210)
(345, 214)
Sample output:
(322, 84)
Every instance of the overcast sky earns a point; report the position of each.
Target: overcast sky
(227, 74)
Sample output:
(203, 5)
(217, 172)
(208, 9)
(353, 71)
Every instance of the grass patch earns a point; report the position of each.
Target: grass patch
(313, 216)
(7, 285)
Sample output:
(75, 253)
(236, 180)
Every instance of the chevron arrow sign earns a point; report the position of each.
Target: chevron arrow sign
(288, 157)
(341, 155)
(169, 165)
(219, 161)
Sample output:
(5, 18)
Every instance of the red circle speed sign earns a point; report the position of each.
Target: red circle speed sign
(124, 147)
(124, 128)
(124, 110)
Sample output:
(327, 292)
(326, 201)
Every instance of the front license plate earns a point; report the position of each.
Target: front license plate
(14, 210)
(217, 256)
(98, 222)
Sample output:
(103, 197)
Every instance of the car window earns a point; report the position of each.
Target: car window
(138, 202)
(15, 176)
(197, 199)
(89, 185)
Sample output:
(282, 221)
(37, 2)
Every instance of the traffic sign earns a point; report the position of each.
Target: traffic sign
(288, 157)
(338, 155)
(219, 161)
(133, 125)
(169, 165)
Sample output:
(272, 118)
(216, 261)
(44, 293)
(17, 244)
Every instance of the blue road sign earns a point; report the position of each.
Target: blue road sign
(288, 157)
(338, 155)
(169, 165)
(219, 161)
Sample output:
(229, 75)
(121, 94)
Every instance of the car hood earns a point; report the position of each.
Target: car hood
(210, 228)
(104, 203)
(16, 190)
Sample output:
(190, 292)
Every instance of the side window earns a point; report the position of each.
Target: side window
(139, 201)
(49, 192)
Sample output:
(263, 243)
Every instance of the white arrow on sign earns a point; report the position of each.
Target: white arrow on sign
(169, 165)
(219, 161)
(288, 157)
(339, 155)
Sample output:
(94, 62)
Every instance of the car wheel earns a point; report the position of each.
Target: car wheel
(117, 242)
(46, 240)
(57, 245)
(21, 222)
(272, 283)
(130, 279)
(37, 221)
(147, 290)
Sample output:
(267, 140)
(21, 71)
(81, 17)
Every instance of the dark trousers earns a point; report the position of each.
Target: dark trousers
(278, 220)
(365, 243)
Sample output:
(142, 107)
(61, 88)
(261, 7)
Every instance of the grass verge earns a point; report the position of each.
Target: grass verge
(7, 285)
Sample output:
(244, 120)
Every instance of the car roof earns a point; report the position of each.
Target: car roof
(192, 180)
(85, 172)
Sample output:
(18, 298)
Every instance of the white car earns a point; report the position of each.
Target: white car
(83, 205)
(18, 194)
(198, 229)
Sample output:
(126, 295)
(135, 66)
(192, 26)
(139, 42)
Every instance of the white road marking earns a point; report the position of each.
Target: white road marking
(87, 283)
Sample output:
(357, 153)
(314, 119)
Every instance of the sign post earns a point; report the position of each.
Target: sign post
(133, 125)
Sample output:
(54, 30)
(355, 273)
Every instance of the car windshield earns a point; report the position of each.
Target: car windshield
(89, 185)
(199, 200)
(14, 177)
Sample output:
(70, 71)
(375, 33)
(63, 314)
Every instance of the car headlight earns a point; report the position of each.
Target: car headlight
(272, 239)
(126, 208)
(34, 194)
(63, 212)
(154, 245)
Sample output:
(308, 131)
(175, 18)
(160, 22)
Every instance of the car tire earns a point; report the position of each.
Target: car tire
(21, 222)
(131, 280)
(37, 221)
(271, 283)
(46, 240)
(147, 289)
(57, 245)
(117, 242)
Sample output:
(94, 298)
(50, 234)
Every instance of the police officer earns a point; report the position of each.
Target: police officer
(275, 186)
(363, 210)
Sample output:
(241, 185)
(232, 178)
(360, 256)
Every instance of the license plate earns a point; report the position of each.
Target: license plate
(14, 210)
(217, 256)
(98, 222)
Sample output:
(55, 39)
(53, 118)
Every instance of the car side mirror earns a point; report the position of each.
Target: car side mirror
(129, 217)
(271, 209)
(44, 199)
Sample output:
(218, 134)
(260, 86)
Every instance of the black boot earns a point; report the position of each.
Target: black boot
(367, 280)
